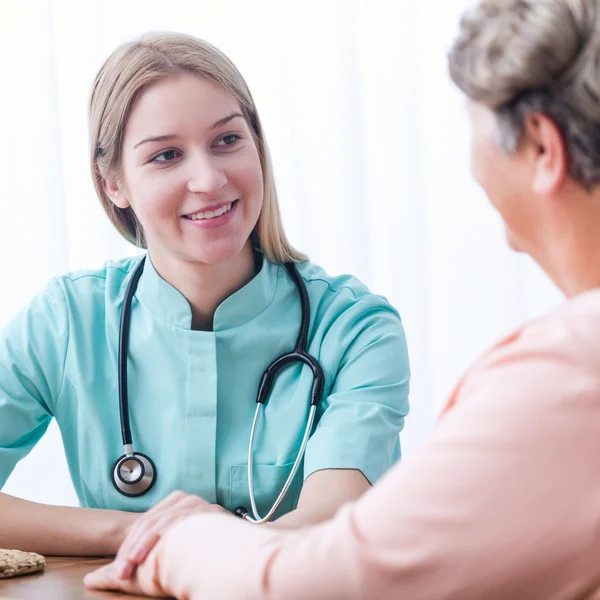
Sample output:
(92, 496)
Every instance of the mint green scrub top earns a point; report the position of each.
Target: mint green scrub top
(192, 394)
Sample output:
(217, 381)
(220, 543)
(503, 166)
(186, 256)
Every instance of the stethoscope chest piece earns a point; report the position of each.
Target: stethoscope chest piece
(134, 474)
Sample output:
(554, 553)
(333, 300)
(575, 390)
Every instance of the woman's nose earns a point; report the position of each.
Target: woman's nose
(206, 176)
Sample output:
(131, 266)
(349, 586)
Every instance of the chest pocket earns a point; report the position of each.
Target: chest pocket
(268, 481)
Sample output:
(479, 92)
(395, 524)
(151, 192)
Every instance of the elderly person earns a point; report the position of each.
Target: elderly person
(504, 501)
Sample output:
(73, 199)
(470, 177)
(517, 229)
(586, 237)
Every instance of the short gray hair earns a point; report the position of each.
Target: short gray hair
(523, 56)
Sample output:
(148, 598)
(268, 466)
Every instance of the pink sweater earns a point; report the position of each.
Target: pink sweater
(503, 503)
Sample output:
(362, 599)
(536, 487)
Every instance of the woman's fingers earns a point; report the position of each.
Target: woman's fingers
(142, 548)
(106, 578)
(148, 529)
(149, 536)
(142, 523)
(124, 569)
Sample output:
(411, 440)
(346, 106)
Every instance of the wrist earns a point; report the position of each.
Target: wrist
(116, 528)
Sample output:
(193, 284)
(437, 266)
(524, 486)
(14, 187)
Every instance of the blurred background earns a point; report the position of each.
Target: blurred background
(370, 144)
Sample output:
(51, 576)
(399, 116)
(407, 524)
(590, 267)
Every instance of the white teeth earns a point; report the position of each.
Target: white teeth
(211, 214)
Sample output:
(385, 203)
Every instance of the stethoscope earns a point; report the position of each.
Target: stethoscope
(134, 473)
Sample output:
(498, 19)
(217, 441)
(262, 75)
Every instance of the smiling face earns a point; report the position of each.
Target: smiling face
(190, 171)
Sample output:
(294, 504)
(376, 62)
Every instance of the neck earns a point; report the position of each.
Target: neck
(570, 255)
(577, 268)
(205, 286)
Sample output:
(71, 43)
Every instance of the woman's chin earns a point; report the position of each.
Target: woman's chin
(217, 253)
(513, 242)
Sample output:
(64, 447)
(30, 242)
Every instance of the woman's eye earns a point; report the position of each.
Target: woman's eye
(229, 139)
(166, 156)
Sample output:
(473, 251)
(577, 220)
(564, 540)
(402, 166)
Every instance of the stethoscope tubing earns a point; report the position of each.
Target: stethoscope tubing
(299, 354)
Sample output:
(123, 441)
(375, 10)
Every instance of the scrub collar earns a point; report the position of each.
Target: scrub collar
(244, 305)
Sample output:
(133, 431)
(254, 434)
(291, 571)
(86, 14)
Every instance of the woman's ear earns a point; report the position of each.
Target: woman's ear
(114, 191)
(551, 156)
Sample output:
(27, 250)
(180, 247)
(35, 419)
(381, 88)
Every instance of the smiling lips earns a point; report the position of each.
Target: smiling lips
(210, 214)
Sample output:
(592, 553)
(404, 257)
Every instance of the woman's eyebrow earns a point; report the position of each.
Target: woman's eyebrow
(226, 120)
(171, 136)
(156, 138)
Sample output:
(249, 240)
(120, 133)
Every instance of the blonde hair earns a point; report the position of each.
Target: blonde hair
(123, 77)
(523, 56)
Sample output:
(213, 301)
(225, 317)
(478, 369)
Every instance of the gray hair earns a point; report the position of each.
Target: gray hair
(523, 56)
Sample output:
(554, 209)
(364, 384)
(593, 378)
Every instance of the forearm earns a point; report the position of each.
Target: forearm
(305, 516)
(184, 565)
(323, 494)
(61, 530)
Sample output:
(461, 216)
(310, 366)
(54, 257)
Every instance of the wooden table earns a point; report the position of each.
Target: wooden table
(62, 580)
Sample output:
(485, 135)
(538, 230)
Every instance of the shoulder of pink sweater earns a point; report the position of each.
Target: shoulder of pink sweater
(571, 330)
(573, 327)
(571, 333)
(579, 318)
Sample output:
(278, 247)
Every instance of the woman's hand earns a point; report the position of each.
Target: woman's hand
(141, 538)
(144, 582)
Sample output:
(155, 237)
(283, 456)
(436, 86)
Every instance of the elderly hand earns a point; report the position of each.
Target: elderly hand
(142, 582)
(139, 542)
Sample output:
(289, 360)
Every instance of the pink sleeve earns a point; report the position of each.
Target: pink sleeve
(502, 503)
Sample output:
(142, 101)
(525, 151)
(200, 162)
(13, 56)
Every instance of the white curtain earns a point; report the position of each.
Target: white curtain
(370, 144)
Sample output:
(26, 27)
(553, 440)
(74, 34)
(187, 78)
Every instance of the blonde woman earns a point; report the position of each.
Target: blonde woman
(151, 365)
(504, 502)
